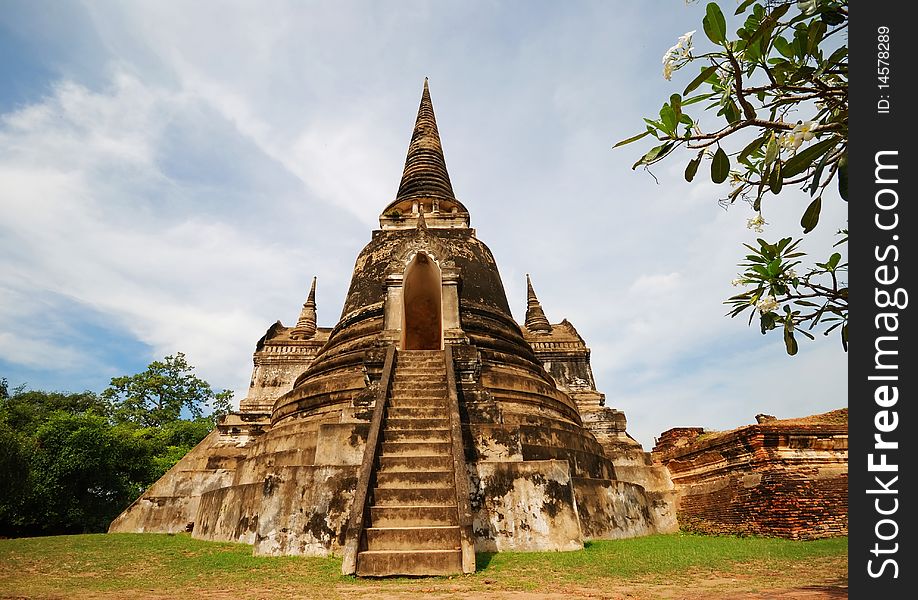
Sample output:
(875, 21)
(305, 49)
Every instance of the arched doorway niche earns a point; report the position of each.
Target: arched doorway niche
(422, 314)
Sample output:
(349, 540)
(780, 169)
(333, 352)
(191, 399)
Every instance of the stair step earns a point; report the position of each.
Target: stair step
(416, 423)
(416, 413)
(413, 538)
(440, 462)
(379, 563)
(413, 516)
(420, 479)
(419, 354)
(437, 402)
(420, 370)
(416, 435)
(418, 495)
(415, 448)
(418, 387)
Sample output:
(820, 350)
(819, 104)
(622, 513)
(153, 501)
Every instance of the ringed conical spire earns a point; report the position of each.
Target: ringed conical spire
(425, 174)
(306, 325)
(535, 316)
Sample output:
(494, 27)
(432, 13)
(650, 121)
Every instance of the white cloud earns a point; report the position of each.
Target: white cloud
(654, 285)
(216, 161)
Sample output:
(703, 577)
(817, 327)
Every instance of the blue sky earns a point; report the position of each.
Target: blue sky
(173, 174)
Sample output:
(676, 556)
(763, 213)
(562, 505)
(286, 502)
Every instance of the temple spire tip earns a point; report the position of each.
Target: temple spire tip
(425, 174)
(306, 325)
(536, 321)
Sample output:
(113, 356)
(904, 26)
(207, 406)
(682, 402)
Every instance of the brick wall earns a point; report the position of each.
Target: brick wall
(771, 479)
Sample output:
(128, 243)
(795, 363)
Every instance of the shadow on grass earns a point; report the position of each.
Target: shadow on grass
(482, 560)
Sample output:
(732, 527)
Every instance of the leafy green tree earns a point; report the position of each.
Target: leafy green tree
(778, 93)
(25, 410)
(70, 462)
(14, 466)
(83, 473)
(172, 441)
(158, 395)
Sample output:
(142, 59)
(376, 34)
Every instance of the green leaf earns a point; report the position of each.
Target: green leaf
(765, 29)
(750, 148)
(714, 23)
(832, 17)
(676, 102)
(767, 322)
(632, 139)
(805, 303)
(836, 57)
(691, 168)
(720, 166)
(652, 154)
(811, 215)
(730, 112)
(833, 261)
(705, 73)
(743, 6)
(817, 175)
(784, 47)
(844, 336)
(771, 150)
(654, 124)
(774, 267)
(801, 161)
(789, 342)
(843, 176)
(814, 35)
(668, 118)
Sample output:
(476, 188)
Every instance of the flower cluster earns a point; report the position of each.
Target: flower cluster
(738, 281)
(803, 132)
(767, 304)
(807, 7)
(681, 50)
(756, 223)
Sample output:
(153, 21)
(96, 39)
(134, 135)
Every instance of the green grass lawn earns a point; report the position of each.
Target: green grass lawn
(121, 565)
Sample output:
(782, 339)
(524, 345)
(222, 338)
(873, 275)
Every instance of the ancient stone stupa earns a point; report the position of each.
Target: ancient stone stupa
(425, 425)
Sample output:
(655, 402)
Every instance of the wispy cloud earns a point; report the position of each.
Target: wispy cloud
(182, 179)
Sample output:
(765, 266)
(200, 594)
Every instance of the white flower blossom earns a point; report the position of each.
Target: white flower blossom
(805, 129)
(681, 50)
(685, 41)
(738, 281)
(802, 132)
(756, 223)
(767, 304)
(807, 7)
(791, 274)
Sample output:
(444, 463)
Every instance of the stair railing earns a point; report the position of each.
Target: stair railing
(371, 452)
(466, 539)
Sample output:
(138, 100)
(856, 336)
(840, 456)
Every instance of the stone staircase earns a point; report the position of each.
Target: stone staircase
(412, 526)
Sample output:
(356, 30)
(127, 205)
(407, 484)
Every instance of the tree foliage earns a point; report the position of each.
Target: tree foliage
(159, 394)
(778, 93)
(71, 463)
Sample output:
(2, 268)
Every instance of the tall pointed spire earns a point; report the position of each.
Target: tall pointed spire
(535, 317)
(306, 325)
(425, 172)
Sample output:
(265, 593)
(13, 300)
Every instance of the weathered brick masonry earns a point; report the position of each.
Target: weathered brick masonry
(786, 478)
